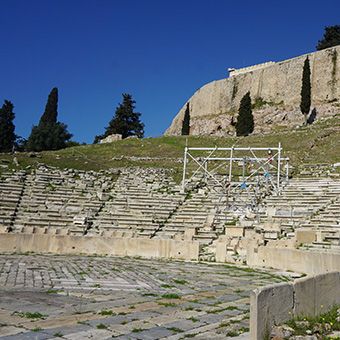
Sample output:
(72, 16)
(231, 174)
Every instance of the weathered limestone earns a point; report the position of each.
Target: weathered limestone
(110, 139)
(147, 204)
(276, 87)
(303, 261)
(270, 306)
(275, 304)
(99, 245)
(81, 297)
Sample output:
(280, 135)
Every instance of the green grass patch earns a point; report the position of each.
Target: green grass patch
(316, 143)
(193, 319)
(36, 329)
(54, 291)
(220, 310)
(30, 315)
(167, 304)
(175, 330)
(243, 330)
(171, 296)
(324, 324)
(232, 333)
(180, 282)
(101, 326)
(149, 294)
(106, 312)
(137, 330)
(166, 286)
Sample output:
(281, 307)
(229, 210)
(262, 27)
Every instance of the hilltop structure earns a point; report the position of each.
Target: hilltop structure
(275, 91)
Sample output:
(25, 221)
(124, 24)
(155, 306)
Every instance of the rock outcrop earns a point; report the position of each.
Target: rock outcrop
(111, 138)
(275, 91)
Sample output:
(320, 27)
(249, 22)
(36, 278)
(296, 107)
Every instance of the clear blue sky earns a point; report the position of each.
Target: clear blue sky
(160, 51)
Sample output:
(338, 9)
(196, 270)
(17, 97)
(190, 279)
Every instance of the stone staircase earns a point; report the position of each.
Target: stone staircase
(11, 191)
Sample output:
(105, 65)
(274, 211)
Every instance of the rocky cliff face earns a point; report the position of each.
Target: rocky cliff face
(275, 92)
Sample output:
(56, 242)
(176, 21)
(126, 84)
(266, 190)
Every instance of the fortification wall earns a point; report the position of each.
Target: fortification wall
(235, 72)
(278, 84)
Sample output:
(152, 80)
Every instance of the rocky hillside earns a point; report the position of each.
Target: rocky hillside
(275, 92)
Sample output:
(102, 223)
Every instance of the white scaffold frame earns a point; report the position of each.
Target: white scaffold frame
(274, 153)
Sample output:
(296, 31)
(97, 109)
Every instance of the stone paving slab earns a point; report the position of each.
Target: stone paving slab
(78, 297)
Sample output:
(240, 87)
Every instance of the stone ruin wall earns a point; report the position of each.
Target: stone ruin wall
(279, 84)
(235, 72)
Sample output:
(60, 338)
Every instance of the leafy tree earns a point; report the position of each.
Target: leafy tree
(186, 122)
(7, 135)
(125, 121)
(245, 120)
(305, 90)
(49, 134)
(331, 37)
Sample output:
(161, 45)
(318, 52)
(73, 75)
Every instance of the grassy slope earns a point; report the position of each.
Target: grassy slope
(319, 143)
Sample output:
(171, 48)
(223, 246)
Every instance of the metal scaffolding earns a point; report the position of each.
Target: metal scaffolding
(233, 170)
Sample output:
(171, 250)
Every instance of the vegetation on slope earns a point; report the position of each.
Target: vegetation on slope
(317, 143)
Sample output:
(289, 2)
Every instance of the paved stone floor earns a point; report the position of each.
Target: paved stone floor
(77, 297)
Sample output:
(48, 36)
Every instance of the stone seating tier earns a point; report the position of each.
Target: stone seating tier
(146, 203)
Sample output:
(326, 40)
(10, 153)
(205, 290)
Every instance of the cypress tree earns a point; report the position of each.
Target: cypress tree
(51, 109)
(186, 122)
(245, 120)
(125, 121)
(7, 135)
(49, 134)
(305, 90)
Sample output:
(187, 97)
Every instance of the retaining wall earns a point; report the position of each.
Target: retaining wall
(302, 261)
(275, 304)
(279, 84)
(65, 244)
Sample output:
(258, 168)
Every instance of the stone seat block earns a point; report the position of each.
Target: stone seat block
(5, 222)
(174, 229)
(325, 225)
(4, 206)
(39, 224)
(124, 218)
(9, 201)
(128, 224)
(115, 229)
(46, 219)
(283, 217)
(143, 234)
